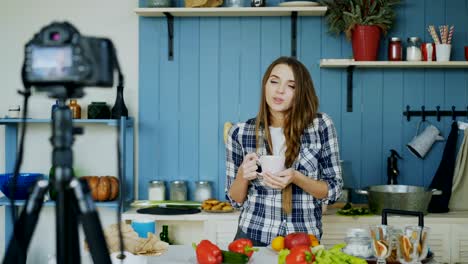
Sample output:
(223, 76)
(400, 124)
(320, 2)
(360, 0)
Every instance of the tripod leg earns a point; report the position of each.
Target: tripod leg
(68, 248)
(25, 225)
(91, 224)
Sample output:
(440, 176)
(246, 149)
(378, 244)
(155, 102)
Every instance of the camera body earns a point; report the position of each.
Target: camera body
(59, 56)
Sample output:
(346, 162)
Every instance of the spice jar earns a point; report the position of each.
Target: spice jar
(178, 191)
(202, 191)
(395, 49)
(75, 109)
(413, 49)
(156, 190)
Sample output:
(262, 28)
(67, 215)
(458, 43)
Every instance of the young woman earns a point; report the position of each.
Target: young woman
(289, 125)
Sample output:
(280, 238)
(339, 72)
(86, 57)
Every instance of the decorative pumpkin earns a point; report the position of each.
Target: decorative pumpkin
(104, 188)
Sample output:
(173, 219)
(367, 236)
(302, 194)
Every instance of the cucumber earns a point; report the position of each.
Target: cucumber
(234, 257)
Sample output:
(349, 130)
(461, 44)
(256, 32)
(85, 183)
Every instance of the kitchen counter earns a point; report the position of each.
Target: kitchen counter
(456, 217)
(186, 255)
(448, 236)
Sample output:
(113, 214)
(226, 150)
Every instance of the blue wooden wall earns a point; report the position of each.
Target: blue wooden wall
(216, 74)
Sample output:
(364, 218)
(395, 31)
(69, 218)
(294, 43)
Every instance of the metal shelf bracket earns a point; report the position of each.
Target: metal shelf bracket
(170, 32)
(294, 34)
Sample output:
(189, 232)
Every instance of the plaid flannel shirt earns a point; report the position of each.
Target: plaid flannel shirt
(262, 218)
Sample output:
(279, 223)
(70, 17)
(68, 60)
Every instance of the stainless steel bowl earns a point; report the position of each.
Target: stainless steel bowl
(402, 197)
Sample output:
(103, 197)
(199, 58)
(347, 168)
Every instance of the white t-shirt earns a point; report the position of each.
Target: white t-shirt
(278, 140)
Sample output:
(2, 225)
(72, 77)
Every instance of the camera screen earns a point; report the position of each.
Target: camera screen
(51, 62)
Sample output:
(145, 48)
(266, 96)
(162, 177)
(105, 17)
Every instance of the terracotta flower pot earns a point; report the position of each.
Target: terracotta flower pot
(366, 41)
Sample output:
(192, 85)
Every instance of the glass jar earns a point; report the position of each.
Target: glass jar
(202, 191)
(358, 243)
(395, 49)
(156, 190)
(413, 49)
(178, 191)
(98, 110)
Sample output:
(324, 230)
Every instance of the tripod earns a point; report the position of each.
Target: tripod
(73, 198)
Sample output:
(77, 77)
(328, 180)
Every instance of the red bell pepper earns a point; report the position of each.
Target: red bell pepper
(208, 253)
(243, 246)
(300, 255)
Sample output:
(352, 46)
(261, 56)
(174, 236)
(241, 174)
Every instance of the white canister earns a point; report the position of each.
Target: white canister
(156, 190)
(14, 111)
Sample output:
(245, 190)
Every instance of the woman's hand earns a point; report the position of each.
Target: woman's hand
(279, 180)
(248, 168)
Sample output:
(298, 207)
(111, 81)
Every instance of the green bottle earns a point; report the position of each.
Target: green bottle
(164, 235)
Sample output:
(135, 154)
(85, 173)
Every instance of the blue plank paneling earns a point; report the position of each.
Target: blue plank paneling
(434, 92)
(216, 77)
(250, 68)
(372, 127)
(413, 81)
(189, 121)
(209, 132)
(229, 73)
(148, 115)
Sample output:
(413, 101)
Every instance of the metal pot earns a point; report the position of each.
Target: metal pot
(402, 197)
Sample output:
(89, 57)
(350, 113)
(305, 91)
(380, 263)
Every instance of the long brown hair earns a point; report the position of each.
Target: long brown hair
(303, 110)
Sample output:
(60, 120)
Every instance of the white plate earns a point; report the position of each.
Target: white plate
(299, 3)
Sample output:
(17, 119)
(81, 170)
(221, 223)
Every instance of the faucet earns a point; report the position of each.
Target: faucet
(392, 167)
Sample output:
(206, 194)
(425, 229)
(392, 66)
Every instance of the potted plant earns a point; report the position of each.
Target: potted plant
(363, 22)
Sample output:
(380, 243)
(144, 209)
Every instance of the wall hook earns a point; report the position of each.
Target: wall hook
(423, 113)
(454, 115)
(438, 113)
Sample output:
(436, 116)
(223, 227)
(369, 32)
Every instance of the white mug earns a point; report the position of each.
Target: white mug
(272, 163)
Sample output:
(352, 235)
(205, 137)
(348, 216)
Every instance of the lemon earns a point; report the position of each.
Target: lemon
(277, 243)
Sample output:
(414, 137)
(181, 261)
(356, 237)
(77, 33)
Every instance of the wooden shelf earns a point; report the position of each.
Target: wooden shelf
(344, 63)
(350, 64)
(6, 202)
(232, 11)
(109, 122)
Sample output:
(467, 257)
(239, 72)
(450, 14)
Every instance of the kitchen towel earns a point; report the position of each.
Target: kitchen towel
(444, 175)
(459, 199)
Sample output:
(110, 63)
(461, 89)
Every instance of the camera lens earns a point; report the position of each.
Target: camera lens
(54, 36)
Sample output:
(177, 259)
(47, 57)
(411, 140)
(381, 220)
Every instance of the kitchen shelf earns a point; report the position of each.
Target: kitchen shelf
(350, 64)
(126, 138)
(171, 12)
(338, 63)
(5, 201)
(231, 11)
(109, 122)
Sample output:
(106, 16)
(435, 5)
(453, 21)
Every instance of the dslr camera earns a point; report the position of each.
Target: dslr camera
(58, 55)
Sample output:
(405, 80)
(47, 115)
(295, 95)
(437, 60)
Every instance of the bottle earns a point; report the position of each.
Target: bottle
(75, 109)
(392, 167)
(164, 235)
(119, 108)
